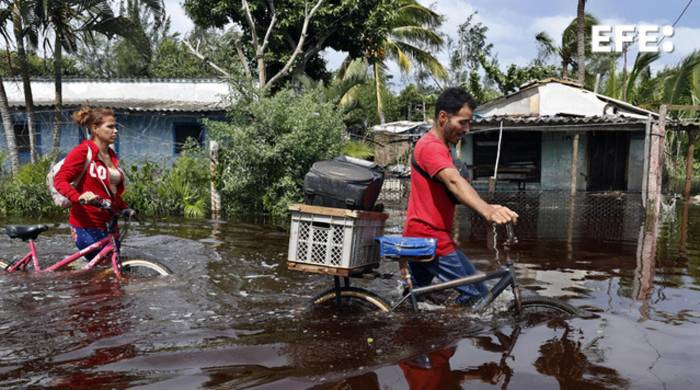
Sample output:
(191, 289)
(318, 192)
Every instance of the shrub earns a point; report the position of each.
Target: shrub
(26, 193)
(182, 189)
(358, 149)
(270, 145)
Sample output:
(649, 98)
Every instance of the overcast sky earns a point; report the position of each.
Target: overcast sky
(513, 24)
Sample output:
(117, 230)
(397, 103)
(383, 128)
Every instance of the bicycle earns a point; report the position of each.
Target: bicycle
(109, 249)
(404, 250)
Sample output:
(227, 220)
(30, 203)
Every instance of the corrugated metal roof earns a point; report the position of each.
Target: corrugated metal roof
(554, 97)
(169, 95)
(555, 120)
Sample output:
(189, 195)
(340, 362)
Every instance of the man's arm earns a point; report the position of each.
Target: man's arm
(467, 195)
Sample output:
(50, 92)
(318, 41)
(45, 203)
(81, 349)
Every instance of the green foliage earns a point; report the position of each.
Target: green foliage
(182, 189)
(270, 145)
(350, 26)
(358, 149)
(515, 76)
(26, 193)
(365, 108)
(10, 65)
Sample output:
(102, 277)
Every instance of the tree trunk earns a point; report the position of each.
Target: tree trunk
(564, 70)
(378, 91)
(580, 38)
(58, 112)
(9, 128)
(692, 134)
(26, 83)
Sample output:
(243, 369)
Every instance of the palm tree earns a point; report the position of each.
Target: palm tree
(72, 21)
(9, 128)
(23, 16)
(4, 106)
(569, 44)
(410, 38)
(581, 40)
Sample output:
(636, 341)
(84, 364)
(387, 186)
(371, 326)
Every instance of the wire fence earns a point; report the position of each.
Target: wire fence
(608, 217)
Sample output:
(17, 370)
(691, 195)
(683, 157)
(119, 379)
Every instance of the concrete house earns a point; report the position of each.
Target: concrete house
(155, 117)
(542, 122)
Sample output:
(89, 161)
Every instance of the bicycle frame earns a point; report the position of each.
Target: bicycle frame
(108, 245)
(506, 276)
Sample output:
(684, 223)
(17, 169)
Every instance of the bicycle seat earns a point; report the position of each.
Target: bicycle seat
(413, 248)
(25, 232)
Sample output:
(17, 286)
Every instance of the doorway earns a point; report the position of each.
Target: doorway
(608, 153)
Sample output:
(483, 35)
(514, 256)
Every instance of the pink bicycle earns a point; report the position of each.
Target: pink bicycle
(110, 250)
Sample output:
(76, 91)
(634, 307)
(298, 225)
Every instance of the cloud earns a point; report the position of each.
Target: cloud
(180, 22)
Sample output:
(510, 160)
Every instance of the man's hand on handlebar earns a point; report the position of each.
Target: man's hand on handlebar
(501, 215)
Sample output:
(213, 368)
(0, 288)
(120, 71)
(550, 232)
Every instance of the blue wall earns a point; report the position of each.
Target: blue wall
(142, 135)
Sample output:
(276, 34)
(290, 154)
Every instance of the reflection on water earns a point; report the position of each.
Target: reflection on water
(233, 316)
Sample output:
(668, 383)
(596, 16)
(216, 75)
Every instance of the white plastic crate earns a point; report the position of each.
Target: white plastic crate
(336, 238)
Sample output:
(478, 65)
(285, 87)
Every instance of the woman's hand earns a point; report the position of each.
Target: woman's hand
(501, 215)
(87, 197)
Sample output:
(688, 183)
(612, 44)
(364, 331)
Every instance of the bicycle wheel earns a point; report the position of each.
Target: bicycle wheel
(543, 306)
(142, 269)
(351, 298)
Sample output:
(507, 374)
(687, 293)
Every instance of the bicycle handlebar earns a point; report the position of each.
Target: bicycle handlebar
(106, 204)
(98, 202)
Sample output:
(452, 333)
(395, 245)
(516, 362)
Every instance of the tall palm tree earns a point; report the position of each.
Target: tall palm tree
(410, 39)
(9, 128)
(5, 113)
(569, 43)
(24, 22)
(72, 21)
(581, 40)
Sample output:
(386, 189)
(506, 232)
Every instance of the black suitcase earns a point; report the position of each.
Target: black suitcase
(344, 182)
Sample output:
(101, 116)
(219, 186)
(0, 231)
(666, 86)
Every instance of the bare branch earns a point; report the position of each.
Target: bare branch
(266, 41)
(297, 51)
(205, 59)
(242, 58)
(251, 24)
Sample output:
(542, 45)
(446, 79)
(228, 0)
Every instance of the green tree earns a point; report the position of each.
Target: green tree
(568, 46)
(465, 51)
(410, 38)
(515, 76)
(25, 25)
(122, 45)
(72, 20)
(270, 145)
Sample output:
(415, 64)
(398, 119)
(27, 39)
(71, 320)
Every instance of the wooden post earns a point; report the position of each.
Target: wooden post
(213, 169)
(574, 161)
(656, 157)
(494, 178)
(645, 171)
(692, 137)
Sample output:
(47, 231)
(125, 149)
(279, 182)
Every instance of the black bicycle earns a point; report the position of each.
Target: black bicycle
(405, 250)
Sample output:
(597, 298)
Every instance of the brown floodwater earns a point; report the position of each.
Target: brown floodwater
(233, 316)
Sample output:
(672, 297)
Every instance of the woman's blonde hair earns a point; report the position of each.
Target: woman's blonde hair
(87, 117)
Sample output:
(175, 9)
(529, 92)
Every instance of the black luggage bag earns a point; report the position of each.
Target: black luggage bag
(343, 182)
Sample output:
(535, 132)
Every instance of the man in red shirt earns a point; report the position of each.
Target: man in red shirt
(436, 187)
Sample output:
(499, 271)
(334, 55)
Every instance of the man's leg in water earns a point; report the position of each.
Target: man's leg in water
(452, 266)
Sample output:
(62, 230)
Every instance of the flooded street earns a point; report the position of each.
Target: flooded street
(233, 316)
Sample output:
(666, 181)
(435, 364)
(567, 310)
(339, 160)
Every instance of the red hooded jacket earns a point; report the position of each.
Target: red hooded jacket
(95, 179)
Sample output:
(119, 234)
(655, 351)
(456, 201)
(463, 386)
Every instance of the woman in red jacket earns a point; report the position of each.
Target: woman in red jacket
(101, 179)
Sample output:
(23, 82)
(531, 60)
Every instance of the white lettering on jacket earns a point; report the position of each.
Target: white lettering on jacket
(101, 171)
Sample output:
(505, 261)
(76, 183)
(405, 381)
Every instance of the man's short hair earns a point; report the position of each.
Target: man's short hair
(452, 100)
